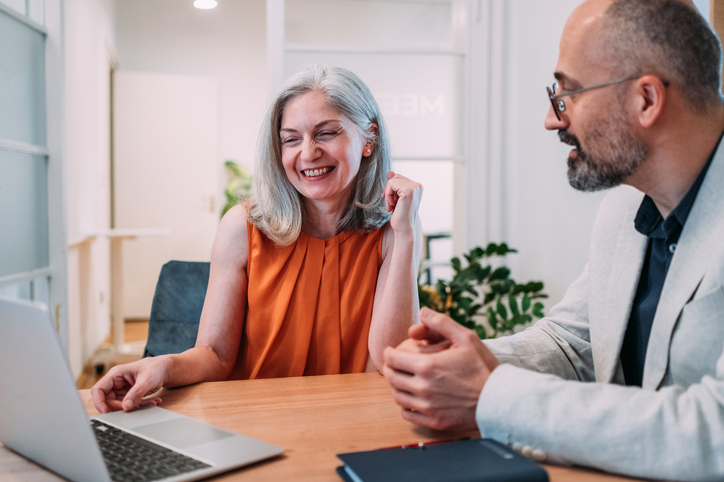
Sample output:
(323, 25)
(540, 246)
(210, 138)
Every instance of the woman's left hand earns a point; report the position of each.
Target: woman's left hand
(402, 197)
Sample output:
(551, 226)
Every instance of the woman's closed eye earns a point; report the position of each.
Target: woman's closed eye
(328, 134)
(290, 140)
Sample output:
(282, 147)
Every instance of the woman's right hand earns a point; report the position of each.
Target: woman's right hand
(125, 386)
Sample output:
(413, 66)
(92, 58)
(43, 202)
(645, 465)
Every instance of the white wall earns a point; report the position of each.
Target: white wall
(544, 218)
(166, 174)
(89, 40)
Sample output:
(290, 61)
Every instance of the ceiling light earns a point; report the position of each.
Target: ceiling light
(205, 4)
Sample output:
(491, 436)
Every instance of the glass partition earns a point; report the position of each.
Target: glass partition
(23, 212)
(419, 25)
(22, 82)
(16, 5)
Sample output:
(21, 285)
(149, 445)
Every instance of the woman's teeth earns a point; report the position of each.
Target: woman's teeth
(316, 172)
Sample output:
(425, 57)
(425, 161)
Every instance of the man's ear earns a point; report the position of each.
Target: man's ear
(650, 99)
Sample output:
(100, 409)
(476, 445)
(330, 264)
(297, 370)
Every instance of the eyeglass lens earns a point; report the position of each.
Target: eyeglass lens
(558, 105)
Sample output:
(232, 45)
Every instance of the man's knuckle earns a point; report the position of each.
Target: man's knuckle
(427, 368)
(436, 424)
(471, 337)
(424, 391)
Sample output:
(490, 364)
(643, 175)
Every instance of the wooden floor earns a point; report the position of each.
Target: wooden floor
(136, 330)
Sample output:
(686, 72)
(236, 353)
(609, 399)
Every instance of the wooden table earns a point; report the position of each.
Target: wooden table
(313, 418)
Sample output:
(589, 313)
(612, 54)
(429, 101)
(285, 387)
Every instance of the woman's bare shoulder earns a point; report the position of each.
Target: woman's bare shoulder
(231, 243)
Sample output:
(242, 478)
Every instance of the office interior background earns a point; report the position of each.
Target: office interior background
(116, 116)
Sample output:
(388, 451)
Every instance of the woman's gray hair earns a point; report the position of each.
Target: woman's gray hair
(278, 208)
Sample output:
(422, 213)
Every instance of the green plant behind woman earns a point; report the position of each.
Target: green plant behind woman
(478, 291)
(239, 185)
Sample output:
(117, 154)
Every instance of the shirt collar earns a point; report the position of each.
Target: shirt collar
(648, 216)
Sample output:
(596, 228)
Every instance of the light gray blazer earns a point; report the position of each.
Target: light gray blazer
(673, 427)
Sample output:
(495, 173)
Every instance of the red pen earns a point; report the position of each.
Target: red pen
(422, 445)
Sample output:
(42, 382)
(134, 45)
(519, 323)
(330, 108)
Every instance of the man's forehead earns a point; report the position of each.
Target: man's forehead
(581, 53)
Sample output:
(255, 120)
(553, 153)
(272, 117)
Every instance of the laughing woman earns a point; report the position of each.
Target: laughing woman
(317, 274)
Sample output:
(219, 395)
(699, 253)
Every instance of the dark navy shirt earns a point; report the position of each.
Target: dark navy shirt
(663, 235)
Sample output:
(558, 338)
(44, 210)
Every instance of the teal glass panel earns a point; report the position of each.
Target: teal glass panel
(23, 212)
(37, 289)
(22, 82)
(17, 5)
(18, 291)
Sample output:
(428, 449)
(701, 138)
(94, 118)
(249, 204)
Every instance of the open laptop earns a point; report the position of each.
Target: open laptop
(43, 418)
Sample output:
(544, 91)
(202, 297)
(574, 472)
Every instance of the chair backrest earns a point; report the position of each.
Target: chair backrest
(176, 309)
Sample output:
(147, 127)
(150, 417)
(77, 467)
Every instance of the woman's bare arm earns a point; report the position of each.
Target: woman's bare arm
(396, 305)
(217, 343)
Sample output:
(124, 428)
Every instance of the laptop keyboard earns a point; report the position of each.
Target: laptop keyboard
(131, 458)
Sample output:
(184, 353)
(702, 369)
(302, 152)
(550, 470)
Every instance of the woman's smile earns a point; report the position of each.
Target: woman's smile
(317, 173)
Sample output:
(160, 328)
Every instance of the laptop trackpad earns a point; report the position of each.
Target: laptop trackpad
(183, 432)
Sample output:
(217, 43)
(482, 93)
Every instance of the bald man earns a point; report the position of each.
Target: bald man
(626, 374)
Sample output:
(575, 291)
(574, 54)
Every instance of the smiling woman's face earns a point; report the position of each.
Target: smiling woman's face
(321, 148)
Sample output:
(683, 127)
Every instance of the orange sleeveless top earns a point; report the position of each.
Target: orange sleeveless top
(309, 305)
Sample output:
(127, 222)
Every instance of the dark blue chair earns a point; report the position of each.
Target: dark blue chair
(176, 309)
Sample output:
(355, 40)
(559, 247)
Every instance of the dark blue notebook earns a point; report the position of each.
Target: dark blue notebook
(477, 460)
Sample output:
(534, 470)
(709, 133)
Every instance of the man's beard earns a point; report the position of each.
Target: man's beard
(614, 153)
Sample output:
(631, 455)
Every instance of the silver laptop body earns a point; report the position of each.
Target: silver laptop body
(42, 416)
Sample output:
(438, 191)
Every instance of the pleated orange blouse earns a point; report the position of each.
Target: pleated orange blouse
(309, 305)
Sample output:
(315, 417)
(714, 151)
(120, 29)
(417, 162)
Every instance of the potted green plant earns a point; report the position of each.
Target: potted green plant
(239, 185)
(480, 292)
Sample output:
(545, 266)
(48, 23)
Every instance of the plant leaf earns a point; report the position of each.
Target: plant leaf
(492, 319)
(491, 249)
(500, 273)
(502, 310)
(525, 304)
(513, 304)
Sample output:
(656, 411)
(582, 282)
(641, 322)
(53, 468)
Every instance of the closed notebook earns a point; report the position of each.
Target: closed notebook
(479, 460)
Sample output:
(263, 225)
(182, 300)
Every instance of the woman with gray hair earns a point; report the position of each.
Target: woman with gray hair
(317, 274)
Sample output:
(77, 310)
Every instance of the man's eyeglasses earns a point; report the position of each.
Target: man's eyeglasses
(560, 106)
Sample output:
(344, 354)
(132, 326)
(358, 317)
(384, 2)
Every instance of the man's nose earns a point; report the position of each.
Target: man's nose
(553, 123)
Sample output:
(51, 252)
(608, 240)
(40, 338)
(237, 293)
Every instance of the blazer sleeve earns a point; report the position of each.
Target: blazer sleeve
(557, 344)
(672, 433)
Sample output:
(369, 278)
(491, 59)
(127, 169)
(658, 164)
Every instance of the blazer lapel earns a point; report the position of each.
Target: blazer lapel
(699, 239)
(620, 293)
